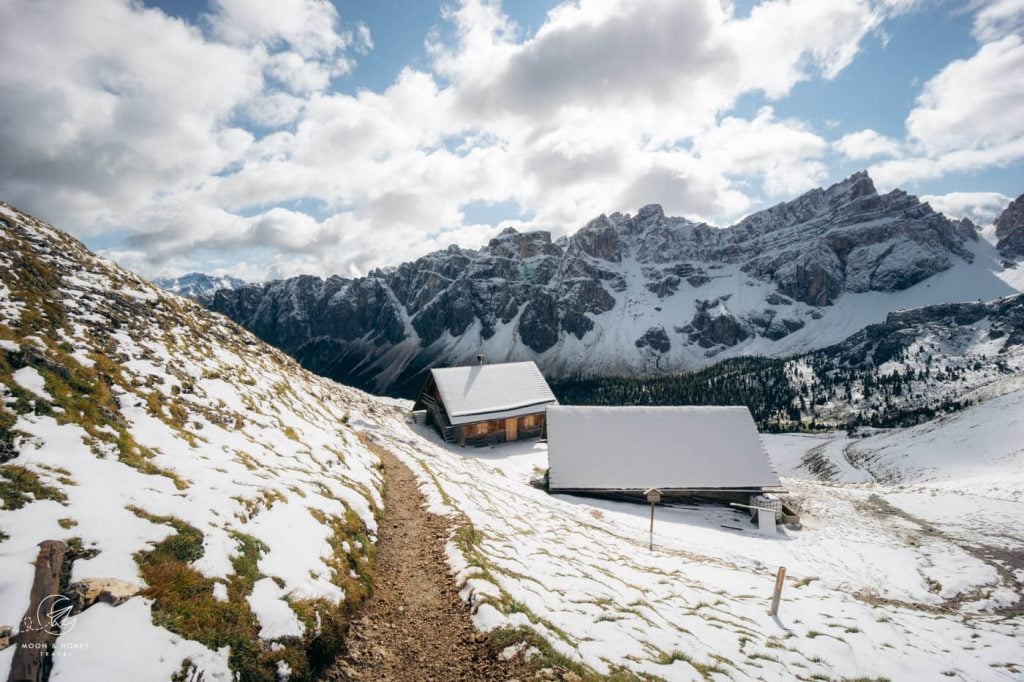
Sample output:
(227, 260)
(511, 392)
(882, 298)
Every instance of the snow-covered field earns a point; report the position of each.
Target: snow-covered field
(900, 580)
(130, 417)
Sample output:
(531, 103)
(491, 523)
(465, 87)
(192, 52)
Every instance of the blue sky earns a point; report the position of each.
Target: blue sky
(264, 138)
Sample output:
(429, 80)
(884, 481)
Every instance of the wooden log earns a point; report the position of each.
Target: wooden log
(32, 657)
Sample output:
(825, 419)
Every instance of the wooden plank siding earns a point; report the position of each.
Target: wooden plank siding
(512, 429)
(501, 430)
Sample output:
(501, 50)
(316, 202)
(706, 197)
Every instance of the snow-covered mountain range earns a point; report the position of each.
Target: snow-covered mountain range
(915, 365)
(197, 285)
(637, 294)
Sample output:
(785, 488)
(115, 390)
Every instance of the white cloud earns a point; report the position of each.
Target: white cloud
(309, 27)
(274, 110)
(299, 75)
(106, 105)
(783, 43)
(980, 207)
(119, 117)
(972, 103)
(782, 152)
(969, 116)
(866, 144)
(998, 18)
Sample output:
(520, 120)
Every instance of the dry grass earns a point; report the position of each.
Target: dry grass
(20, 486)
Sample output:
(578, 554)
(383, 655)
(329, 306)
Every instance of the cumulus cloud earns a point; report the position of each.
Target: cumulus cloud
(969, 116)
(998, 18)
(209, 137)
(309, 27)
(785, 153)
(106, 104)
(866, 144)
(980, 207)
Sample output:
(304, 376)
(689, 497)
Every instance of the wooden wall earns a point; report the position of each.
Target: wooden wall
(502, 430)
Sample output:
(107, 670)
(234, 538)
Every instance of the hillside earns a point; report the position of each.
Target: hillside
(913, 366)
(241, 497)
(909, 577)
(178, 454)
(976, 452)
(633, 295)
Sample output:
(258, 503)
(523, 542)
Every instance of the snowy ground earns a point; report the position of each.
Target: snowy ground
(908, 564)
(902, 580)
(135, 410)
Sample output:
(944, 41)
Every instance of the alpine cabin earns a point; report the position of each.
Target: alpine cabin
(691, 451)
(483, 404)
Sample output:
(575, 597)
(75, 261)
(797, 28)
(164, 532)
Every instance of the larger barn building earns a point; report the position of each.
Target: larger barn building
(482, 404)
(685, 451)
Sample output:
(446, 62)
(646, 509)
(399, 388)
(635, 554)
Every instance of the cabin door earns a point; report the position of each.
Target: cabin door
(511, 429)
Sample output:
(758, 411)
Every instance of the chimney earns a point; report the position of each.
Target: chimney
(479, 358)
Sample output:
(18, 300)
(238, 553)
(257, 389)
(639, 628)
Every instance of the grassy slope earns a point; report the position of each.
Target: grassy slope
(189, 457)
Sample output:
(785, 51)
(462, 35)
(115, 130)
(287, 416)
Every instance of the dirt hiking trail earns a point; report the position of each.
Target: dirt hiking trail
(414, 626)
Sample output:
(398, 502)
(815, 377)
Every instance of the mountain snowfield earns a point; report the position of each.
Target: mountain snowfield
(172, 444)
(889, 580)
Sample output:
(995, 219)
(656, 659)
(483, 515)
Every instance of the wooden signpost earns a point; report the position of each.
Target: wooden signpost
(653, 496)
(780, 577)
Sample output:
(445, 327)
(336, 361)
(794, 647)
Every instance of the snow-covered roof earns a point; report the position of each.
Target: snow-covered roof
(481, 392)
(670, 448)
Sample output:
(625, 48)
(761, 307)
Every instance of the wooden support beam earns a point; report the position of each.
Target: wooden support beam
(32, 657)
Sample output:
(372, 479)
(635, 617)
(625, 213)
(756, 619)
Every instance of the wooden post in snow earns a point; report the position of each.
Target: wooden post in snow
(653, 496)
(32, 656)
(780, 577)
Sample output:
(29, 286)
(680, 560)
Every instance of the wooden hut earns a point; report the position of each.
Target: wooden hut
(483, 404)
(682, 451)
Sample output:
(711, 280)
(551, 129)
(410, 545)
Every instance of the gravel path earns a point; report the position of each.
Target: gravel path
(415, 627)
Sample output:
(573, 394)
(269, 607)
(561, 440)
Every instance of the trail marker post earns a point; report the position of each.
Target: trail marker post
(653, 496)
(780, 577)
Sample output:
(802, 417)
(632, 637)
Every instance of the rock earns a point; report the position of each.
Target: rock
(88, 591)
(814, 276)
(656, 339)
(5, 636)
(576, 324)
(599, 238)
(1010, 229)
(538, 327)
(713, 325)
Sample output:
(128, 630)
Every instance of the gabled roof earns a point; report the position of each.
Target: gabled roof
(670, 448)
(481, 392)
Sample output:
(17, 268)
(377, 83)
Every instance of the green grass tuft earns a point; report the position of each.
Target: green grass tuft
(20, 486)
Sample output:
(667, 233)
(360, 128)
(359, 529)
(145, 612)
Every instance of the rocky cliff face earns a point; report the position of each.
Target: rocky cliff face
(631, 294)
(1010, 229)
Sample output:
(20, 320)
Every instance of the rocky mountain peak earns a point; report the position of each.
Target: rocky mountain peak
(511, 243)
(198, 285)
(650, 213)
(854, 187)
(1010, 229)
(630, 294)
